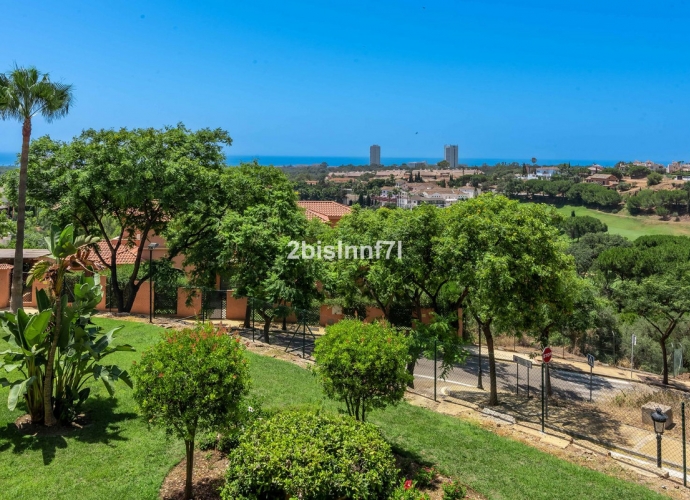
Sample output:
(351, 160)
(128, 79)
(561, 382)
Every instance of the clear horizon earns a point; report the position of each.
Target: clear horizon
(500, 78)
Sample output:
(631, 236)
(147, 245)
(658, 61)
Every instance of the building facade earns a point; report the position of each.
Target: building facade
(450, 154)
(375, 155)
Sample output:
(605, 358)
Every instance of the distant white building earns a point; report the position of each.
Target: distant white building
(546, 172)
(417, 164)
(450, 154)
(375, 155)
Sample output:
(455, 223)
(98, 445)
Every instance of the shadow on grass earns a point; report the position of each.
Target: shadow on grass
(102, 427)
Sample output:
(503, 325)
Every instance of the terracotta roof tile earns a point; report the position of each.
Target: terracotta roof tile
(327, 208)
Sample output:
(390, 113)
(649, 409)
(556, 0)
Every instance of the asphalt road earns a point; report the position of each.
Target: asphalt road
(566, 384)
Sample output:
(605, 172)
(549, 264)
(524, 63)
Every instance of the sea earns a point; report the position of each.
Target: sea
(9, 158)
(336, 161)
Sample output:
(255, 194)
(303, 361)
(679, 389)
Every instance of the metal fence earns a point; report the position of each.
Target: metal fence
(612, 412)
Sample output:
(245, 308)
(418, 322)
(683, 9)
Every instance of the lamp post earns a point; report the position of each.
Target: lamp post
(151, 247)
(659, 420)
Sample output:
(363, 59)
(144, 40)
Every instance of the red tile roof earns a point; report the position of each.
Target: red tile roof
(326, 208)
(125, 254)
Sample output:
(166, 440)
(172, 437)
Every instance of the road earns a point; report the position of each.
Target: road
(564, 383)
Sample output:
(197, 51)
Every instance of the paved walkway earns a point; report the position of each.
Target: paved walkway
(582, 366)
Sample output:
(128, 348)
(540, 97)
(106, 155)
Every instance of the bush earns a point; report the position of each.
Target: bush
(453, 491)
(306, 455)
(227, 437)
(193, 380)
(408, 491)
(363, 365)
(654, 178)
(424, 477)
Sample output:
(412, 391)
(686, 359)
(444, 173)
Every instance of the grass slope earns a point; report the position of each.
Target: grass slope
(631, 227)
(119, 457)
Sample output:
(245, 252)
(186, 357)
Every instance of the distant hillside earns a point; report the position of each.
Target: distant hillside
(6, 169)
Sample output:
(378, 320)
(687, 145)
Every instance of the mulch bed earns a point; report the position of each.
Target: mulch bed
(208, 476)
(25, 426)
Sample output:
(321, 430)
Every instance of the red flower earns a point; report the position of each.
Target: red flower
(408, 484)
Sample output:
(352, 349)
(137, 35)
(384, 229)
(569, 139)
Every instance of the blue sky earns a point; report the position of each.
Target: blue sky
(503, 79)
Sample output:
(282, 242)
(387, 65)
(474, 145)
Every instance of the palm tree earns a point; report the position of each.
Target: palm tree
(25, 93)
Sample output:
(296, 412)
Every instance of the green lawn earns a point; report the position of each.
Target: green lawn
(630, 226)
(118, 457)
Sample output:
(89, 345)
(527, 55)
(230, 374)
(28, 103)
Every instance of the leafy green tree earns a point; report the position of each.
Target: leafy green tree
(193, 380)
(510, 257)
(587, 249)
(24, 94)
(651, 279)
(662, 301)
(148, 180)
(578, 226)
(638, 172)
(363, 365)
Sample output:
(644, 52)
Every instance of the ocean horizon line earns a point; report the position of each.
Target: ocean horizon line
(8, 159)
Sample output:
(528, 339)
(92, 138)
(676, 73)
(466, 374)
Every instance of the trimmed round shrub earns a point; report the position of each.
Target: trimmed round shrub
(192, 381)
(364, 365)
(310, 456)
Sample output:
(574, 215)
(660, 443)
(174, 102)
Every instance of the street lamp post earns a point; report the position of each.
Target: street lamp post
(659, 420)
(151, 247)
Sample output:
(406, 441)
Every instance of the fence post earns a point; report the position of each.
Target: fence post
(542, 397)
(685, 468)
(304, 336)
(517, 378)
(435, 358)
(252, 319)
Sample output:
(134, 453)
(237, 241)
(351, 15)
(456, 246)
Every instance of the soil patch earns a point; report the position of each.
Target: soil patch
(208, 477)
(25, 426)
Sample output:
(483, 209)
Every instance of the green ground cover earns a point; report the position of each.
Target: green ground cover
(631, 227)
(117, 456)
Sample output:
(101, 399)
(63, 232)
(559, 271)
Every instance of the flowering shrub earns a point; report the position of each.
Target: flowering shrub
(424, 477)
(363, 365)
(408, 491)
(193, 380)
(453, 491)
(310, 456)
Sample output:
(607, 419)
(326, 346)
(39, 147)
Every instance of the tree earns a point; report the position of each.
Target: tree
(577, 226)
(510, 257)
(149, 182)
(363, 365)
(25, 93)
(193, 380)
(654, 178)
(638, 172)
(587, 249)
(650, 279)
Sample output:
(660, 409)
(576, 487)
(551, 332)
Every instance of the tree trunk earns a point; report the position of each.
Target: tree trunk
(18, 273)
(189, 449)
(664, 356)
(49, 417)
(267, 329)
(410, 370)
(493, 393)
